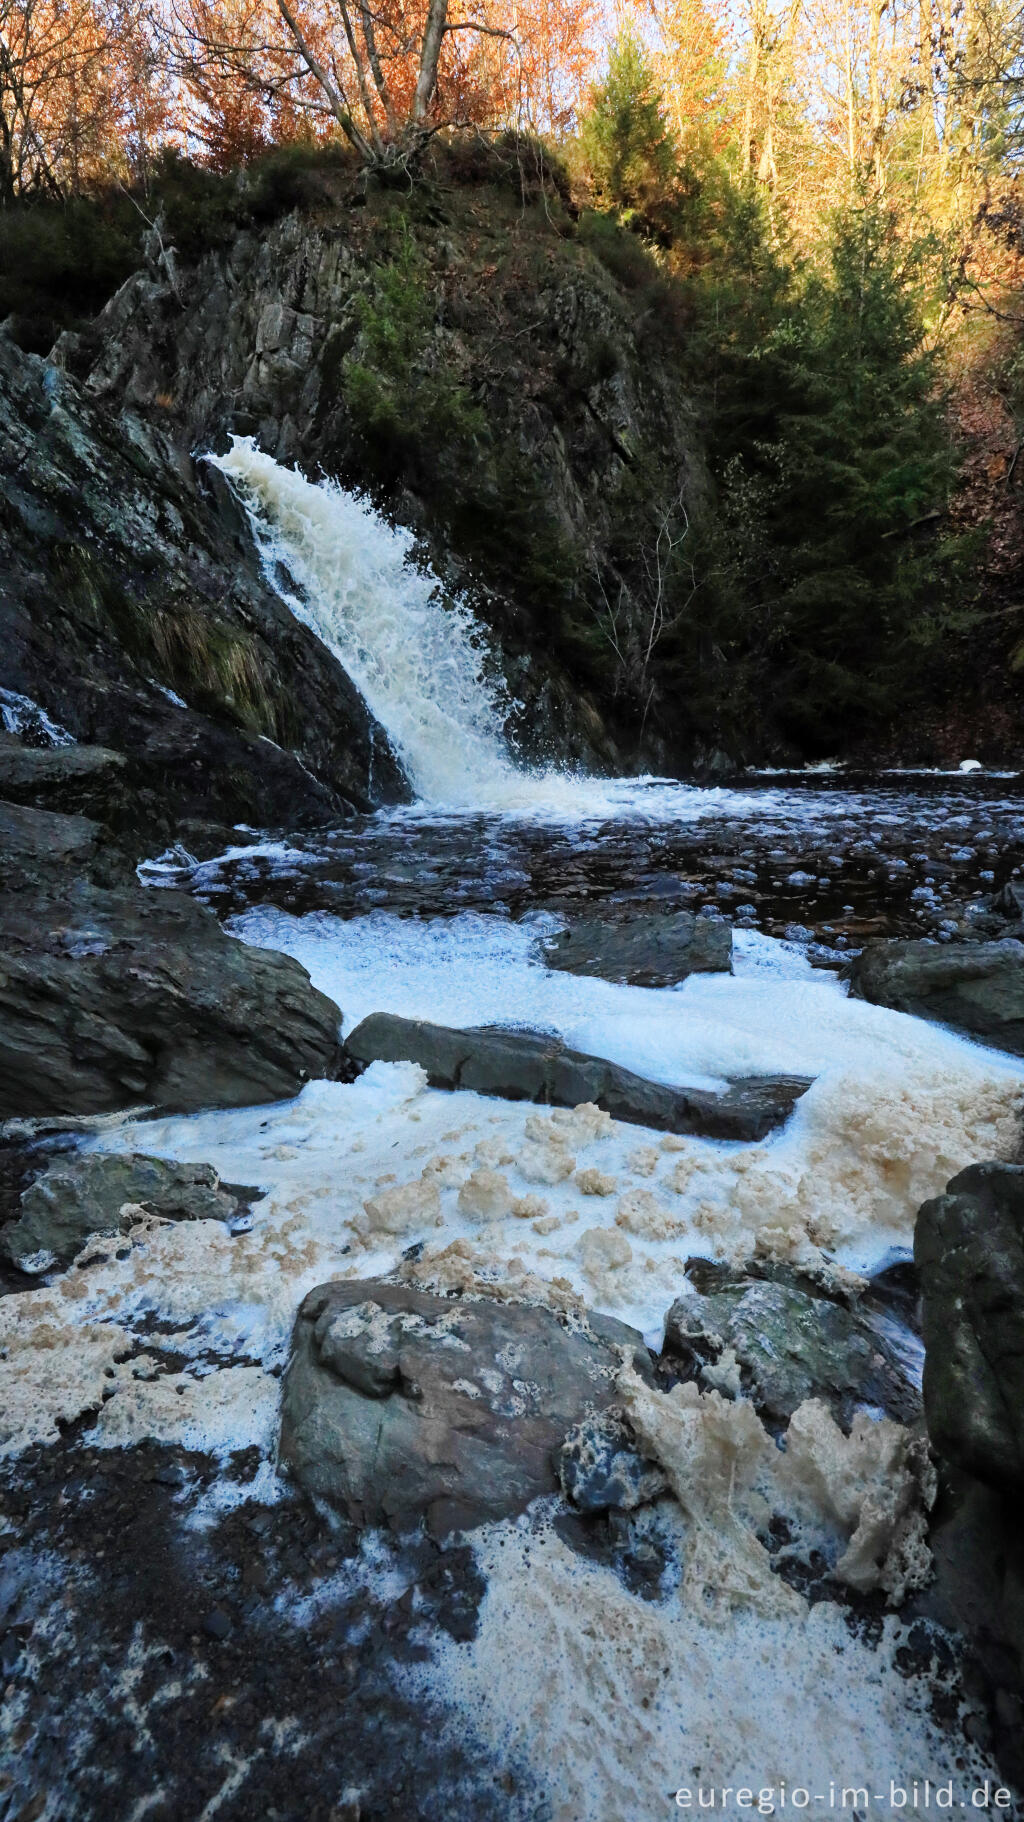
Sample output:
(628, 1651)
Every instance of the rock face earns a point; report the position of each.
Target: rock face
(401, 1406)
(786, 1345)
(112, 995)
(652, 949)
(265, 321)
(97, 1194)
(135, 612)
(978, 987)
(85, 780)
(534, 1066)
(969, 1248)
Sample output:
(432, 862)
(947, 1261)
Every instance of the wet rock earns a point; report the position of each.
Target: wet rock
(536, 1066)
(96, 1194)
(86, 780)
(1009, 902)
(783, 1344)
(977, 1547)
(977, 987)
(134, 613)
(401, 1406)
(36, 845)
(647, 949)
(111, 996)
(969, 1248)
(601, 1469)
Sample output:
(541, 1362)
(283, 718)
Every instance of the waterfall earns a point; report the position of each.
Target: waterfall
(419, 664)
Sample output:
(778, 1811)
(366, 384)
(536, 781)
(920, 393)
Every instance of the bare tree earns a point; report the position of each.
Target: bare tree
(386, 72)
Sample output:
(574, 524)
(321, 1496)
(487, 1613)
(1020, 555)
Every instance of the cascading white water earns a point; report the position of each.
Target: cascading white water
(418, 663)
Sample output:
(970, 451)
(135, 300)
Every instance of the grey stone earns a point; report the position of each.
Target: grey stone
(535, 1066)
(111, 996)
(969, 1249)
(401, 1406)
(976, 987)
(790, 1344)
(38, 844)
(88, 1194)
(601, 1470)
(645, 949)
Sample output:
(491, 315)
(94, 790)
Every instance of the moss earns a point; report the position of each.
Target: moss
(198, 654)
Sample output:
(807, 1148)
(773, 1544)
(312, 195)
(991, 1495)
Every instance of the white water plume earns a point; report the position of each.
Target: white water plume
(418, 663)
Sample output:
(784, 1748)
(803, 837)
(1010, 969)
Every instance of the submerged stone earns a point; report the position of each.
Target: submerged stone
(645, 949)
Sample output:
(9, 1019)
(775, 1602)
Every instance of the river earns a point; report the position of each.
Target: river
(592, 1700)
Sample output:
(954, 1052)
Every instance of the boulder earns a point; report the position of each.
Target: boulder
(969, 1249)
(977, 987)
(536, 1066)
(401, 1406)
(112, 995)
(646, 948)
(92, 1193)
(784, 1344)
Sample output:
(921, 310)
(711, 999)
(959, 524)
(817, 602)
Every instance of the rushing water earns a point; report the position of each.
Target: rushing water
(439, 911)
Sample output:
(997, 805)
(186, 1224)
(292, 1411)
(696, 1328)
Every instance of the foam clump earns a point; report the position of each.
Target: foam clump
(487, 1195)
(877, 1485)
(401, 1209)
(461, 1268)
(603, 1251)
(592, 1182)
(494, 1152)
(544, 1162)
(712, 1450)
(583, 1125)
(640, 1212)
(871, 1490)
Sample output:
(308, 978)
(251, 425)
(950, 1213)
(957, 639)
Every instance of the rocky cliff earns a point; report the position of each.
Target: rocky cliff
(471, 354)
(133, 611)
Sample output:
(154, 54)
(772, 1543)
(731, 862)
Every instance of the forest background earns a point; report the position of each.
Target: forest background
(821, 199)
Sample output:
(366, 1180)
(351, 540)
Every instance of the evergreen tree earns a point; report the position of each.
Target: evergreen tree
(835, 467)
(624, 136)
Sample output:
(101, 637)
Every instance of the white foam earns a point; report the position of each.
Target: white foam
(613, 1703)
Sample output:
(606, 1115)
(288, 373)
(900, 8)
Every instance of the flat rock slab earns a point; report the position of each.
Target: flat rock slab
(977, 987)
(969, 1249)
(646, 949)
(789, 1345)
(401, 1406)
(97, 1193)
(535, 1066)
